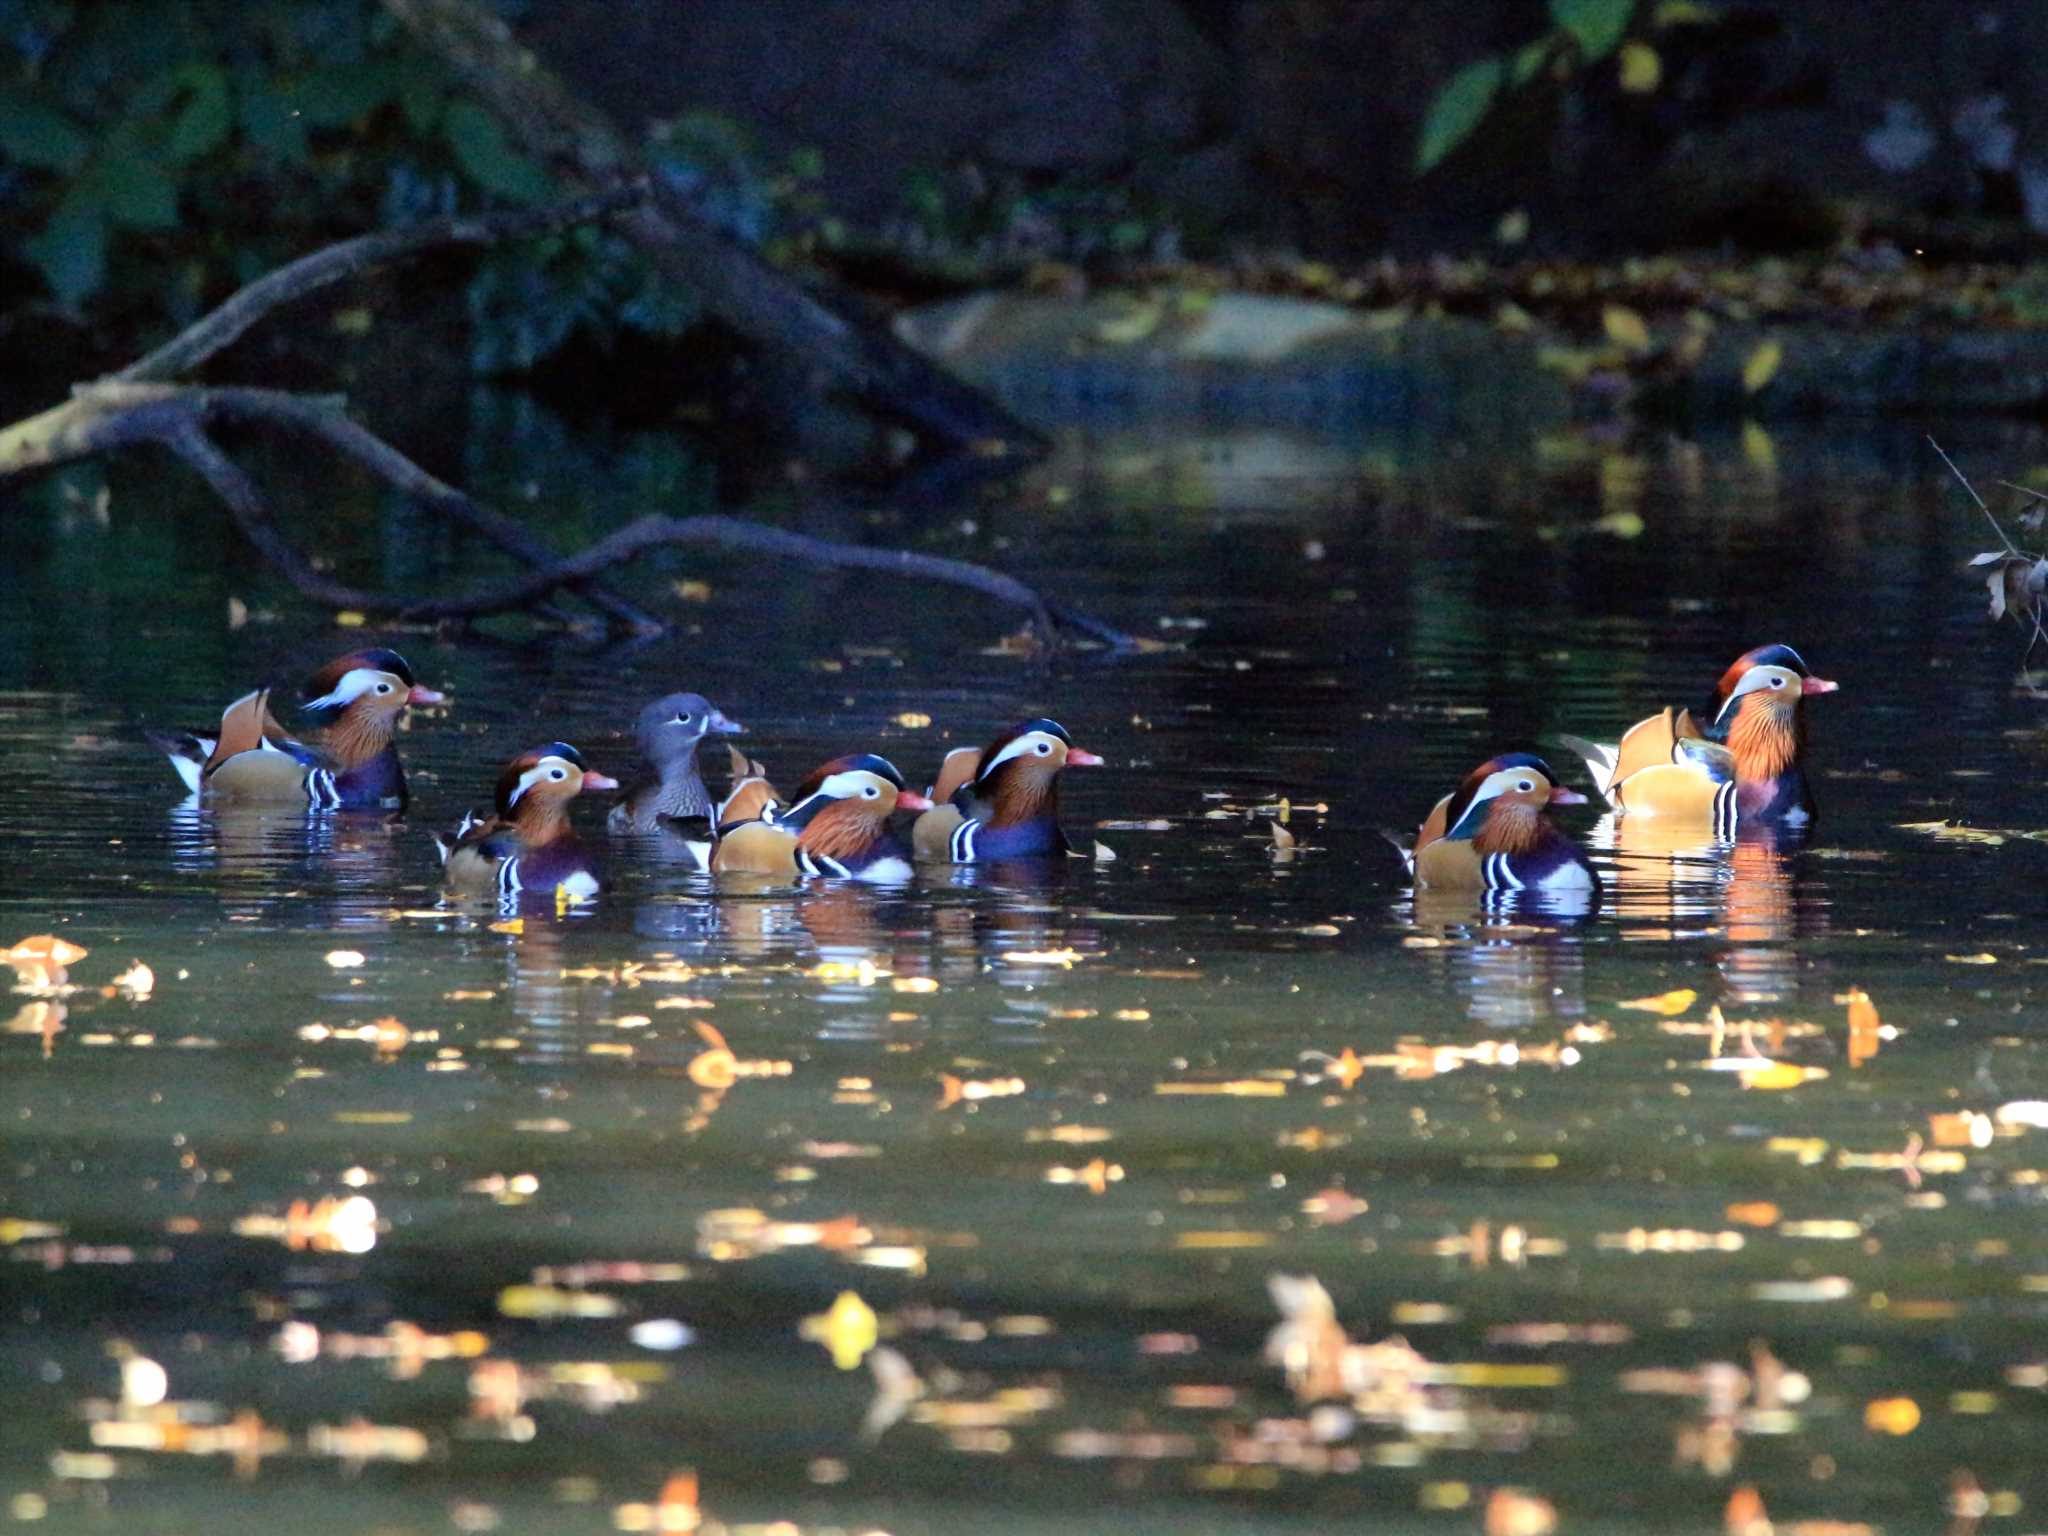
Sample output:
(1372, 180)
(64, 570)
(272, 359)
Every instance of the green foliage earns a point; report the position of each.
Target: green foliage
(1595, 25)
(1583, 33)
(1457, 110)
(155, 156)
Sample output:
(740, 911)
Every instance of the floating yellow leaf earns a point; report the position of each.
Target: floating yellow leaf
(1625, 328)
(1240, 1088)
(1892, 1416)
(849, 1330)
(344, 959)
(1762, 366)
(1780, 1074)
(1980, 958)
(1621, 525)
(1641, 70)
(1213, 1240)
(1666, 1003)
(348, 618)
(510, 925)
(912, 720)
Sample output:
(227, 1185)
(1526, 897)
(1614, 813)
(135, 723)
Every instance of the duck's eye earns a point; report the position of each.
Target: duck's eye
(1043, 749)
(872, 793)
(1524, 785)
(383, 687)
(1777, 682)
(557, 774)
(682, 719)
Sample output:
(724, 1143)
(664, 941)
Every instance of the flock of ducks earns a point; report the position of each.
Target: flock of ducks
(1736, 763)
(1001, 802)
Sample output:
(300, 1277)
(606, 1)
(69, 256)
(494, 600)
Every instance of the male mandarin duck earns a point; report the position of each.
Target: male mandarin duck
(838, 824)
(1494, 833)
(356, 699)
(1742, 768)
(529, 844)
(1002, 802)
(668, 733)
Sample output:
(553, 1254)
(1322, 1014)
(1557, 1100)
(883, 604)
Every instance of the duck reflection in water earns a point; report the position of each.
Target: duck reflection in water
(278, 857)
(1674, 881)
(1516, 957)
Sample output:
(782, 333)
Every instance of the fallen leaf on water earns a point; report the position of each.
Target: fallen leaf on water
(1060, 957)
(1761, 366)
(1095, 1177)
(345, 959)
(849, 1329)
(1625, 328)
(510, 925)
(1982, 957)
(1780, 1075)
(1892, 1416)
(1866, 1030)
(912, 720)
(1667, 1003)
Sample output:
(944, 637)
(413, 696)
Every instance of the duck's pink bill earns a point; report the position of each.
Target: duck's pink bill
(910, 800)
(1817, 685)
(1076, 758)
(592, 779)
(421, 695)
(1562, 796)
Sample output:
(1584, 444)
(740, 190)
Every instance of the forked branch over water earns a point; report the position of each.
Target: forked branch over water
(138, 405)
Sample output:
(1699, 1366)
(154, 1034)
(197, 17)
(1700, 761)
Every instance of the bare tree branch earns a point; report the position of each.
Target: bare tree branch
(223, 326)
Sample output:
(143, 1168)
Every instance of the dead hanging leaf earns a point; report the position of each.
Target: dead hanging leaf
(2015, 583)
(1641, 70)
(1665, 1003)
(1625, 328)
(1761, 366)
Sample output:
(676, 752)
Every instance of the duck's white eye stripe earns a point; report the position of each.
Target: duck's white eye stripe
(1030, 741)
(852, 785)
(547, 767)
(354, 683)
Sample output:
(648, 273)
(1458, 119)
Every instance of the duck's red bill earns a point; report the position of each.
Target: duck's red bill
(1562, 796)
(421, 695)
(1817, 685)
(592, 779)
(1076, 758)
(910, 800)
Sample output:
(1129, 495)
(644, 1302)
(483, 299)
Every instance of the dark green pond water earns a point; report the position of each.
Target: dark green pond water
(528, 1254)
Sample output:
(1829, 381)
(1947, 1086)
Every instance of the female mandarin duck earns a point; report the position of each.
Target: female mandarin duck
(838, 824)
(1743, 768)
(1002, 802)
(529, 845)
(1494, 833)
(668, 733)
(356, 698)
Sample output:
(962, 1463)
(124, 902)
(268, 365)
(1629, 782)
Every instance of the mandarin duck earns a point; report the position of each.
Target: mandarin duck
(356, 700)
(837, 824)
(668, 733)
(1742, 768)
(528, 845)
(1002, 802)
(1494, 833)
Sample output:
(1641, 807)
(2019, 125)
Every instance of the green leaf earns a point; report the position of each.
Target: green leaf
(480, 149)
(202, 124)
(41, 136)
(71, 251)
(1529, 58)
(1457, 110)
(336, 98)
(133, 190)
(421, 91)
(1595, 25)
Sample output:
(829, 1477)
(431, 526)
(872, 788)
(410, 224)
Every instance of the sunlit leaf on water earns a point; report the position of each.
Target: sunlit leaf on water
(1516, 1512)
(1667, 1003)
(2029, 1114)
(1239, 1088)
(849, 1329)
(1982, 957)
(328, 1225)
(1777, 1075)
(40, 962)
(1948, 832)
(1333, 1207)
(955, 1090)
(1866, 1030)
(552, 1303)
(1095, 1176)
(1670, 1240)
(345, 959)
(675, 1509)
(1891, 1416)
(1964, 1128)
